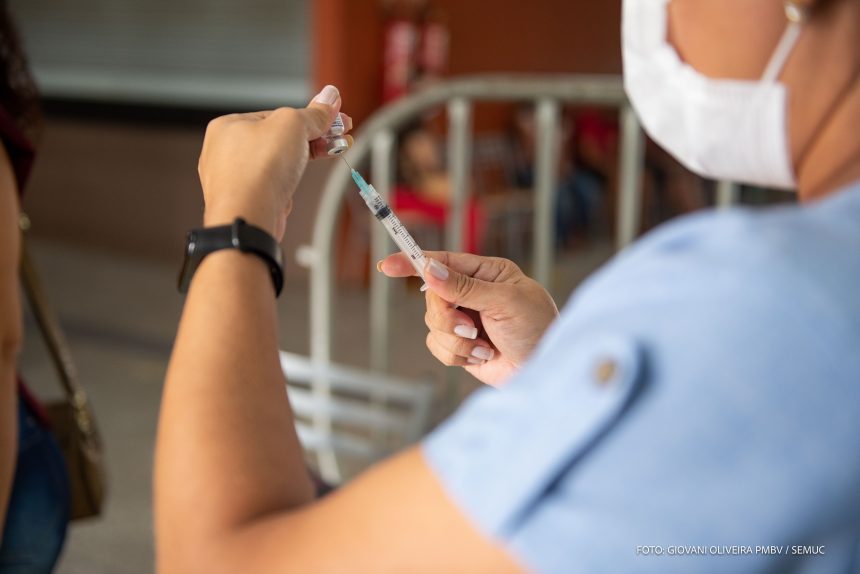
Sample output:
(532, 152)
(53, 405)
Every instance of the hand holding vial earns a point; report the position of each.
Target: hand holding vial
(251, 163)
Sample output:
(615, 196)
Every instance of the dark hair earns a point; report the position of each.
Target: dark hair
(18, 94)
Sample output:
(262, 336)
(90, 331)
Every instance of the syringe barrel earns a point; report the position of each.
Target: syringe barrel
(405, 242)
(376, 204)
(401, 237)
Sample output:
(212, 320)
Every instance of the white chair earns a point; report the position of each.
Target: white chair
(359, 418)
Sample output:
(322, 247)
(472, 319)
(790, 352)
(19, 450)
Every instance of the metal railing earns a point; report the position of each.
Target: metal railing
(376, 139)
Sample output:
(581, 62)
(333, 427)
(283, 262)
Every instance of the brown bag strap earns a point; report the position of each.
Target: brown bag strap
(49, 327)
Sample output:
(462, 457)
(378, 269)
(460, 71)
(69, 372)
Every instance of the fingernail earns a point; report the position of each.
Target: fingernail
(466, 331)
(328, 95)
(437, 270)
(379, 265)
(474, 361)
(483, 353)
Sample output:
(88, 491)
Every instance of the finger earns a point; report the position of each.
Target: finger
(443, 355)
(261, 115)
(492, 269)
(247, 116)
(320, 113)
(319, 147)
(483, 268)
(442, 317)
(464, 348)
(463, 290)
(396, 265)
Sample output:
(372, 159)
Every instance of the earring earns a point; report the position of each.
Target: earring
(797, 11)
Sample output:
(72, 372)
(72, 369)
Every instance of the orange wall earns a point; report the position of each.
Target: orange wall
(347, 51)
(542, 36)
(575, 36)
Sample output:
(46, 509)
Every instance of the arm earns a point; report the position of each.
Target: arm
(10, 328)
(231, 490)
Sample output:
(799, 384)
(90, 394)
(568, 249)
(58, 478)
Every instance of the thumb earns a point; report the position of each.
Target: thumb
(461, 289)
(321, 112)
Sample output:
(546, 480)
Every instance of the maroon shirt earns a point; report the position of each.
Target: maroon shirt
(19, 148)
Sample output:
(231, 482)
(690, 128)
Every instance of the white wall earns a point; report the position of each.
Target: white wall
(210, 53)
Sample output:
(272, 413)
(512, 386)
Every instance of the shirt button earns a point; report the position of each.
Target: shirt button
(605, 371)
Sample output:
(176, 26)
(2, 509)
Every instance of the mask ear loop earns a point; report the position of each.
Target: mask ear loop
(796, 14)
(783, 50)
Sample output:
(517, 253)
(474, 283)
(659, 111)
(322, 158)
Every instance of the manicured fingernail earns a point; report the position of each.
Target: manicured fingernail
(328, 95)
(466, 331)
(474, 361)
(437, 270)
(483, 353)
(379, 265)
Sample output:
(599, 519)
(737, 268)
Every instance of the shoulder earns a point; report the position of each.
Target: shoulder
(702, 389)
(795, 256)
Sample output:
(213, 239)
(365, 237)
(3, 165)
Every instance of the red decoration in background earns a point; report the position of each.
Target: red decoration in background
(415, 47)
(399, 58)
(410, 206)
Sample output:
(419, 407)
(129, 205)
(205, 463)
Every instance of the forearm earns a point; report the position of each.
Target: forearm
(227, 449)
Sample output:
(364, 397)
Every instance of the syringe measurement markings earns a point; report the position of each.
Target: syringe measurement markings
(396, 230)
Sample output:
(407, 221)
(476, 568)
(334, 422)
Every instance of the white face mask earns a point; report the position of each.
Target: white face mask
(722, 129)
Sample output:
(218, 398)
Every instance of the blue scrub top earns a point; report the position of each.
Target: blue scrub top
(696, 407)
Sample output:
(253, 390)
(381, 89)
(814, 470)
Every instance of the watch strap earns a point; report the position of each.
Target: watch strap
(239, 235)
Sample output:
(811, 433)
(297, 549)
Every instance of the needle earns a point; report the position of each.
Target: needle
(347, 163)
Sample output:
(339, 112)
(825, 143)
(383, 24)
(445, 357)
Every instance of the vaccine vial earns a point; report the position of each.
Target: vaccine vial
(336, 143)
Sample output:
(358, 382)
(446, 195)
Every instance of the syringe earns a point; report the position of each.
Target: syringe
(382, 211)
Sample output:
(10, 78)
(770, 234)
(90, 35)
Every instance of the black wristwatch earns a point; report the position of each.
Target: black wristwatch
(239, 235)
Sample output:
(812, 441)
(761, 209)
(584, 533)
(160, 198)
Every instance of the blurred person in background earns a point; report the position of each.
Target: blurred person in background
(702, 389)
(34, 491)
(422, 194)
(415, 57)
(580, 189)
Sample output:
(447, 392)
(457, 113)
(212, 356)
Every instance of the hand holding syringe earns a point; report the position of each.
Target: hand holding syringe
(396, 230)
